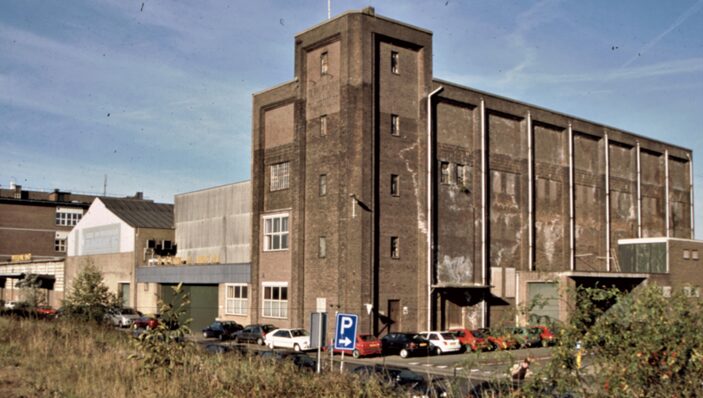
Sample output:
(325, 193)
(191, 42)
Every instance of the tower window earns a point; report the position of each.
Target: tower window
(324, 63)
(323, 184)
(323, 125)
(322, 250)
(395, 188)
(395, 247)
(395, 125)
(395, 59)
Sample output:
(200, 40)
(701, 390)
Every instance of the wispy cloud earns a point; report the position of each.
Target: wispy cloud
(695, 8)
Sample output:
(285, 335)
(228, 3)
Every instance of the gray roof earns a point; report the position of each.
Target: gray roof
(141, 213)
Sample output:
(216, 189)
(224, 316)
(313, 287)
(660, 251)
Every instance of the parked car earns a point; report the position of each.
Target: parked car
(145, 322)
(252, 334)
(122, 317)
(222, 330)
(527, 336)
(297, 339)
(45, 311)
(366, 345)
(469, 340)
(299, 359)
(404, 344)
(442, 342)
(499, 340)
(547, 335)
(405, 380)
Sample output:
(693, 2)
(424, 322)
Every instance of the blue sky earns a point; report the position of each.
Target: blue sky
(156, 94)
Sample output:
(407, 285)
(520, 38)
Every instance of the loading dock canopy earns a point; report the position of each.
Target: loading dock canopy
(195, 274)
(462, 294)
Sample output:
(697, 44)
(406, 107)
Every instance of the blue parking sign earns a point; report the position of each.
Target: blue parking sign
(345, 331)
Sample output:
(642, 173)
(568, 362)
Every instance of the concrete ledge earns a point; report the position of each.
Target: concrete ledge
(195, 274)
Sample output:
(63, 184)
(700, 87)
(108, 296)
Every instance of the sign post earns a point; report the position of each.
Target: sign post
(345, 334)
(318, 323)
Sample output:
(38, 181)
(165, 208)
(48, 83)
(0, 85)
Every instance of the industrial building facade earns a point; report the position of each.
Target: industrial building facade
(418, 203)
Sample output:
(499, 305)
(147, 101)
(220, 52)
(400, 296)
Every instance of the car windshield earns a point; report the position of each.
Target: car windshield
(368, 337)
(268, 328)
(459, 333)
(479, 333)
(298, 332)
(448, 336)
(128, 311)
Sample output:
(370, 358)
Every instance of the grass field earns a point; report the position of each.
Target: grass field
(64, 359)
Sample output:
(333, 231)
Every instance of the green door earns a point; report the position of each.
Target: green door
(203, 303)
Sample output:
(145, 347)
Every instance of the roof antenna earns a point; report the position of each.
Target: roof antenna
(105, 186)
(329, 9)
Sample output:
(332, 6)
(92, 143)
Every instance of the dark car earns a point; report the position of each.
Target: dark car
(222, 330)
(527, 336)
(300, 360)
(405, 380)
(253, 334)
(404, 344)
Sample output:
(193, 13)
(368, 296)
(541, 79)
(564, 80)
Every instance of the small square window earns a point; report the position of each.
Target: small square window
(395, 125)
(686, 254)
(694, 254)
(444, 172)
(322, 249)
(324, 63)
(323, 125)
(395, 247)
(323, 184)
(279, 176)
(395, 59)
(395, 185)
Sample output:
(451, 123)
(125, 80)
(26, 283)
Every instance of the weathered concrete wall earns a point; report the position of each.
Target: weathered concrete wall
(652, 191)
(215, 223)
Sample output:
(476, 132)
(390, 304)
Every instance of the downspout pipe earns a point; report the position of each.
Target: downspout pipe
(430, 226)
(484, 200)
(607, 203)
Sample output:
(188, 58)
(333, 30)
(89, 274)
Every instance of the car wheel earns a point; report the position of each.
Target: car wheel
(356, 354)
(221, 337)
(205, 335)
(271, 345)
(437, 351)
(296, 348)
(403, 353)
(260, 341)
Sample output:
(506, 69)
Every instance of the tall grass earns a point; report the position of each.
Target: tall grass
(68, 359)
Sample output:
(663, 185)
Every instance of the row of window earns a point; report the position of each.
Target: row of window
(690, 254)
(275, 304)
(67, 218)
(451, 173)
(60, 245)
(276, 232)
(325, 63)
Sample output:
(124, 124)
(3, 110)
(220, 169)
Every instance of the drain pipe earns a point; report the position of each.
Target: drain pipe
(484, 199)
(430, 162)
(690, 187)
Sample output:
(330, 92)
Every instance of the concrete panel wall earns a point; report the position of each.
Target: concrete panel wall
(215, 223)
(679, 197)
(653, 192)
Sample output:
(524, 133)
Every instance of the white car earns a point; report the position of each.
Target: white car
(442, 342)
(122, 317)
(297, 339)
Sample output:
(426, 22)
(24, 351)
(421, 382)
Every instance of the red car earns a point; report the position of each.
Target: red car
(498, 341)
(469, 341)
(366, 345)
(145, 322)
(547, 336)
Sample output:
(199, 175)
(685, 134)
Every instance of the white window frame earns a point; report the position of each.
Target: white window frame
(274, 308)
(323, 125)
(324, 63)
(279, 174)
(395, 125)
(237, 303)
(269, 234)
(395, 62)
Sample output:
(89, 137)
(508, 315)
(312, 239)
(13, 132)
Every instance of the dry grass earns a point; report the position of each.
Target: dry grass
(63, 359)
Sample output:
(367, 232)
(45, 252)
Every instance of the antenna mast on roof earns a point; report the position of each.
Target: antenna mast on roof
(329, 9)
(105, 186)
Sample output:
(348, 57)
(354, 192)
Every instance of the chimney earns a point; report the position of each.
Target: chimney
(139, 195)
(18, 192)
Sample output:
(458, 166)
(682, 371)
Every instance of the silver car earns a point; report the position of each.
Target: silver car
(122, 317)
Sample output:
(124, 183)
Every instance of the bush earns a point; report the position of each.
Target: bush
(636, 344)
(89, 299)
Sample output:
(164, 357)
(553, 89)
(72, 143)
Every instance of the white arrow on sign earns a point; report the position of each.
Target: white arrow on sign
(345, 341)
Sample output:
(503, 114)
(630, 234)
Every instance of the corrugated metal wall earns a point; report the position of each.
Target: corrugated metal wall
(214, 225)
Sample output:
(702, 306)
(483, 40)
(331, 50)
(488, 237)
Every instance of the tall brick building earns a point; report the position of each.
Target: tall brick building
(418, 203)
